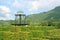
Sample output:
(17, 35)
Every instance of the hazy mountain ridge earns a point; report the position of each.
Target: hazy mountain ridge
(53, 15)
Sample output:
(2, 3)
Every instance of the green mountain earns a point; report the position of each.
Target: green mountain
(53, 15)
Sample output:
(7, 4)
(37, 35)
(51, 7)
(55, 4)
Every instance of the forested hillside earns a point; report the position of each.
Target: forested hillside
(53, 15)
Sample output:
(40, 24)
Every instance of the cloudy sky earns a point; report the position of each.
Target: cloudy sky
(9, 7)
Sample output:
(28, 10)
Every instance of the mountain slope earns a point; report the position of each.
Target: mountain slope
(53, 15)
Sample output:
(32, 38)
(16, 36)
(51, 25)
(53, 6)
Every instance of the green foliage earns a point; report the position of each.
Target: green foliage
(58, 25)
(54, 34)
(53, 15)
(26, 32)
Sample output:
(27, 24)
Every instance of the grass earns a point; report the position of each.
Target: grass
(29, 33)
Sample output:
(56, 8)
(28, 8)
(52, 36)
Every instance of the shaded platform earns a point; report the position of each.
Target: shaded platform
(20, 24)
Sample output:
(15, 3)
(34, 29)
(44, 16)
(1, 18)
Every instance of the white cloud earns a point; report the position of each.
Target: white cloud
(5, 9)
(8, 15)
(2, 18)
(16, 4)
(45, 4)
(35, 5)
(5, 12)
(8, 1)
